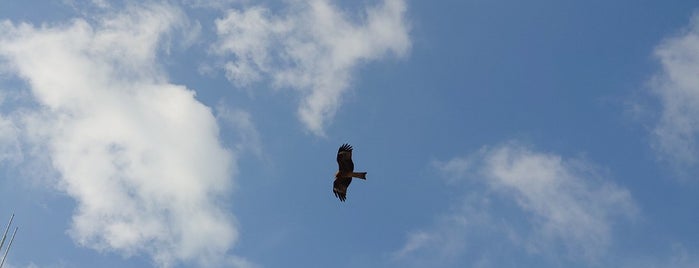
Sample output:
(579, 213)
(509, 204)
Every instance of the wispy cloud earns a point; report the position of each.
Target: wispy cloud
(140, 156)
(10, 149)
(248, 136)
(469, 230)
(215, 4)
(313, 49)
(525, 201)
(677, 257)
(677, 86)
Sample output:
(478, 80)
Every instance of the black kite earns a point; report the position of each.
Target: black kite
(344, 175)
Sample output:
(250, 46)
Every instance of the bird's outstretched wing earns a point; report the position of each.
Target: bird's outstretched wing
(340, 187)
(344, 158)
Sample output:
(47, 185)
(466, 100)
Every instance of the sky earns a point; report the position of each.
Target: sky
(500, 133)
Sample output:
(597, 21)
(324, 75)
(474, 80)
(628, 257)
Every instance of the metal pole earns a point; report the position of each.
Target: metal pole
(4, 235)
(8, 247)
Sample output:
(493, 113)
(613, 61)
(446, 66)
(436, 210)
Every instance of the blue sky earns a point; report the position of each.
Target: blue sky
(495, 133)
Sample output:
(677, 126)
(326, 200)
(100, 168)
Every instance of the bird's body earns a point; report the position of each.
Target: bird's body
(345, 173)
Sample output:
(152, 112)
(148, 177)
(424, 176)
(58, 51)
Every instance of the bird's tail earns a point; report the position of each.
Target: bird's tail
(359, 175)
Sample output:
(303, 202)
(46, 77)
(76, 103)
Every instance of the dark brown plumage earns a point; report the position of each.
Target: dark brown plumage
(345, 172)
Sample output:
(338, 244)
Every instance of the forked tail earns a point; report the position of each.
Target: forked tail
(359, 175)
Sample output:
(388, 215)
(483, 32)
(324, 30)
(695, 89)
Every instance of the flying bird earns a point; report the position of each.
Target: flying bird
(344, 175)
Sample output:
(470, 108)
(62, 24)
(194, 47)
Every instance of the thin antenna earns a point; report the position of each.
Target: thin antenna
(4, 235)
(8, 247)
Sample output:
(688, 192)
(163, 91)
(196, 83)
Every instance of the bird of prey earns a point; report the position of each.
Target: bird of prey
(344, 175)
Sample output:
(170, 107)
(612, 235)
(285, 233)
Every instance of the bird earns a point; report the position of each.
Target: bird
(345, 172)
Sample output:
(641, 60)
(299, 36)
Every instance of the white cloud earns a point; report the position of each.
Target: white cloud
(538, 202)
(141, 157)
(677, 85)
(314, 49)
(566, 199)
